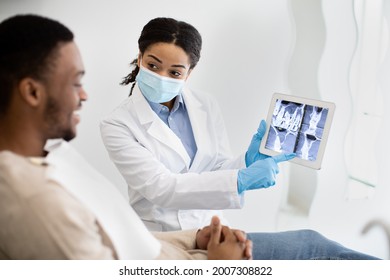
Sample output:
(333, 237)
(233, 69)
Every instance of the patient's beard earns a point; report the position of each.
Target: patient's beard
(58, 121)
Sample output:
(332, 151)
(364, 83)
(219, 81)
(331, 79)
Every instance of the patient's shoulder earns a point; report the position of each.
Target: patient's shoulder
(43, 220)
(21, 175)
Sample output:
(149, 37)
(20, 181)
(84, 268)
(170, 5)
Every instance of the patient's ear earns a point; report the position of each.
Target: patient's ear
(31, 91)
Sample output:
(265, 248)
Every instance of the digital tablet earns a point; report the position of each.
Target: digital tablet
(298, 125)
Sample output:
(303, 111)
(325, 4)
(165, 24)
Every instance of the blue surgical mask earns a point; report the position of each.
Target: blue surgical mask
(157, 88)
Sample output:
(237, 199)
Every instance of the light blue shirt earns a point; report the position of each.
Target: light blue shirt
(178, 121)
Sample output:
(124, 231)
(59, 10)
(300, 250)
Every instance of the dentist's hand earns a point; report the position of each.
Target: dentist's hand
(253, 153)
(261, 174)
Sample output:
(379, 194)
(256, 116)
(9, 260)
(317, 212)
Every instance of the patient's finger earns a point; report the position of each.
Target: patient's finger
(240, 235)
(248, 249)
(216, 228)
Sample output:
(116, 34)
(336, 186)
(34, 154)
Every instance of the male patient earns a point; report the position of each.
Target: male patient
(40, 96)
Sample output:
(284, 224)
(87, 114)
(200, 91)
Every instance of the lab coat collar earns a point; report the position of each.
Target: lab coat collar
(156, 128)
(198, 119)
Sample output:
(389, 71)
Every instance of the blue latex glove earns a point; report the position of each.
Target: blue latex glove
(261, 174)
(253, 153)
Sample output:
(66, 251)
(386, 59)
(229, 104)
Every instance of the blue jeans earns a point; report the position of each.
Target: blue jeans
(300, 245)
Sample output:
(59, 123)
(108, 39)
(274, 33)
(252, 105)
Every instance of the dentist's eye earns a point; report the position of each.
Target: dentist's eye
(152, 66)
(175, 74)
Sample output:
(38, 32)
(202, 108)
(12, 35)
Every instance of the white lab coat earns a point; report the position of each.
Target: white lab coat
(165, 191)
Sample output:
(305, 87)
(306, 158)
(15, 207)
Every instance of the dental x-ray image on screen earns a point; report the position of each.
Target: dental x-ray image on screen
(297, 125)
(296, 128)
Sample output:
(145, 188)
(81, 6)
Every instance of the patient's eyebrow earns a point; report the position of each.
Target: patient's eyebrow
(80, 73)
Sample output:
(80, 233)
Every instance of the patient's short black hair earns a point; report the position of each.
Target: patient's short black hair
(27, 45)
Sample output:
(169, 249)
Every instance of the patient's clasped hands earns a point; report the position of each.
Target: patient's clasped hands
(222, 242)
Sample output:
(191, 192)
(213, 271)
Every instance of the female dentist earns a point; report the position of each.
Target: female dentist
(170, 144)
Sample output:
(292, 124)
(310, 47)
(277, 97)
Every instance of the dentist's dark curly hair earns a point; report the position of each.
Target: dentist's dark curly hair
(167, 30)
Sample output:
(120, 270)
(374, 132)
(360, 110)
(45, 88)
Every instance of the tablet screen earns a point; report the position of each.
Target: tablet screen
(298, 125)
(297, 128)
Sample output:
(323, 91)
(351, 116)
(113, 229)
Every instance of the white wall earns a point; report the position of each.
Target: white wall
(339, 210)
(251, 49)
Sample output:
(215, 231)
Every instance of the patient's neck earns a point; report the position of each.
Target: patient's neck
(21, 139)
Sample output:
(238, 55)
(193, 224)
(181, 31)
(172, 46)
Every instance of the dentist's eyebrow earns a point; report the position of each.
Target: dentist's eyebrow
(152, 56)
(174, 65)
(179, 65)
